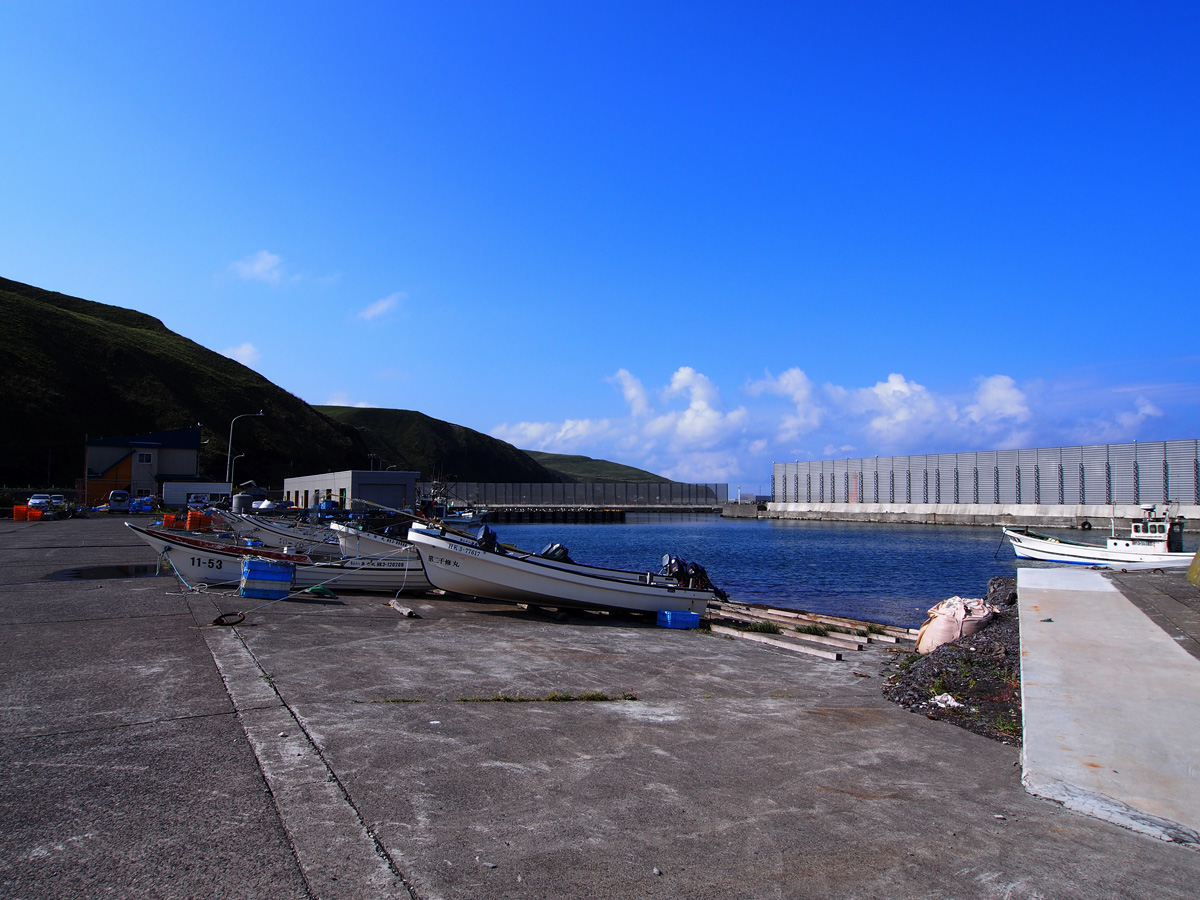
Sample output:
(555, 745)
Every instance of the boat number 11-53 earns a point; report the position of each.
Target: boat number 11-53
(201, 562)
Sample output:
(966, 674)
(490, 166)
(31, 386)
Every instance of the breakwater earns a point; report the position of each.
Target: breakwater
(1044, 515)
(586, 515)
(574, 515)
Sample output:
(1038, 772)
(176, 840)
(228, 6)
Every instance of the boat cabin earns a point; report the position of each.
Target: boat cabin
(1157, 532)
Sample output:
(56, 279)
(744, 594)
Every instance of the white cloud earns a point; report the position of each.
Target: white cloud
(702, 424)
(379, 307)
(901, 410)
(1145, 410)
(247, 354)
(261, 266)
(683, 429)
(705, 467)
(633, 391)
(998, 398)
(341, 398)
(701, 442)
(554, 437)
(796, 387)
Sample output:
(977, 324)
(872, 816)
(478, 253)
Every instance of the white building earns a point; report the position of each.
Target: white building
(391, 489)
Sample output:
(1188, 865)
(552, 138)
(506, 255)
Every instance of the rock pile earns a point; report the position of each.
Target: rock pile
(973, 682)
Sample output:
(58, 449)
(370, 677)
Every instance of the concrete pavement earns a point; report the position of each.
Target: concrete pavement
(330, 748)
(1111, 700)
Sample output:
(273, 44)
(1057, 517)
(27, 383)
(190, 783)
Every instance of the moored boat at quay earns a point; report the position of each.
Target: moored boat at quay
(199, 559)
(478, 566)
(1153, 540)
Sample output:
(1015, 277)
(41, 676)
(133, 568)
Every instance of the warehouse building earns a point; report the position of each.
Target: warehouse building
(354, 489)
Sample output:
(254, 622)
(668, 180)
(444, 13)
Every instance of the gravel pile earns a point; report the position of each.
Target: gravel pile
(973, 682)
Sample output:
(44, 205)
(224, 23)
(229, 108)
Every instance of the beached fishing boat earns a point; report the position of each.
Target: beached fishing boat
(1153, 540)
(358, 542)
(478, 566)
(199, 559)
(300, 537)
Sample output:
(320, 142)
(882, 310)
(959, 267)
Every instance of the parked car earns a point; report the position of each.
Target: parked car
(39, 501)
(118, 501)
(58, 501)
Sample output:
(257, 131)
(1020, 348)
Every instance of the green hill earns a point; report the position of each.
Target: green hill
(440, 451)
(584, 468)
(72, 368)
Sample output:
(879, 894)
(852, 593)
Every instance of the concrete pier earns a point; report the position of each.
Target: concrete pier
(335, 748)
(1111, 698)
(1098, 517)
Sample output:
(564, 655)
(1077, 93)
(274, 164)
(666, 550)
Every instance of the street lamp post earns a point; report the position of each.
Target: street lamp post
(232, 466)
(229, 448)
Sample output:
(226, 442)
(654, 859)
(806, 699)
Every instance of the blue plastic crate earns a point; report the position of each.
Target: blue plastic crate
(266, 579)
(676, 618)
(267, 570)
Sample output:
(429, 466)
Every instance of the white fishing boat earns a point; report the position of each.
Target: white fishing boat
(357, 542)
(441, 507)
(478, 566)
(1153, 540)
(463, 518)
(214, 562)
(312, 540)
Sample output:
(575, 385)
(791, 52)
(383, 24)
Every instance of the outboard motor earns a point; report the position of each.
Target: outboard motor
(486, 539)
(674, 567)
(697, 577)
(557, 553)
(690, 575)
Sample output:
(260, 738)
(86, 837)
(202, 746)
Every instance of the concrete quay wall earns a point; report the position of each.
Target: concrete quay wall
(987, 514)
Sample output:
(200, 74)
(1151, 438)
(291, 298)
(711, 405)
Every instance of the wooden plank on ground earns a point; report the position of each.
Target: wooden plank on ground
(890, 633)
(834, 639)
(794, 646)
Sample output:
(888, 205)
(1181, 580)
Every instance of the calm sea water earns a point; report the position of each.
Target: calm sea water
(881, 573)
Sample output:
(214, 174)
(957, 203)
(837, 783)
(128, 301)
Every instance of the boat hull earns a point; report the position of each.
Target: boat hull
(311, 540)
(1028, 545)
(354, 542)
(458, 565)
(211, 562)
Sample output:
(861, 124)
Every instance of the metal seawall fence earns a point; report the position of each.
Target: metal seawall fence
(1093, 475)
(618, 494)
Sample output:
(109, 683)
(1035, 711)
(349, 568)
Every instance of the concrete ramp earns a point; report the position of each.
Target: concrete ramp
(1111, 706)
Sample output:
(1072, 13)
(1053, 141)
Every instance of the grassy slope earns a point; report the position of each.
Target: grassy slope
(584, 468)
(71, 367)
(441, 451)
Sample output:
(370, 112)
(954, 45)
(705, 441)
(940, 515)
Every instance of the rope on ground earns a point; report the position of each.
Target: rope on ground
(199, 588)
(241, 615)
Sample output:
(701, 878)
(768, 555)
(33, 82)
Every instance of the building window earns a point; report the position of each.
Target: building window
(145, 458)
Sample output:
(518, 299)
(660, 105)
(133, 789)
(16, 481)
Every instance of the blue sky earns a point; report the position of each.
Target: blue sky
(696, 238)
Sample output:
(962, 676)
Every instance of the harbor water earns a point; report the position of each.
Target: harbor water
(877, 572)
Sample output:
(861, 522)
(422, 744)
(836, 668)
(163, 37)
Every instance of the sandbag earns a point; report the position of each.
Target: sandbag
(952, 619)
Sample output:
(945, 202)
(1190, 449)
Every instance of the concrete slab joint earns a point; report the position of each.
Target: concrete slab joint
(338, 854)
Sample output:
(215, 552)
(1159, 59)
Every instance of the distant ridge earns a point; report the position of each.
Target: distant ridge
(440, 451)
(584, 468)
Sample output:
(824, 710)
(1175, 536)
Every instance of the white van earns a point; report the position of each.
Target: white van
(118, 501)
